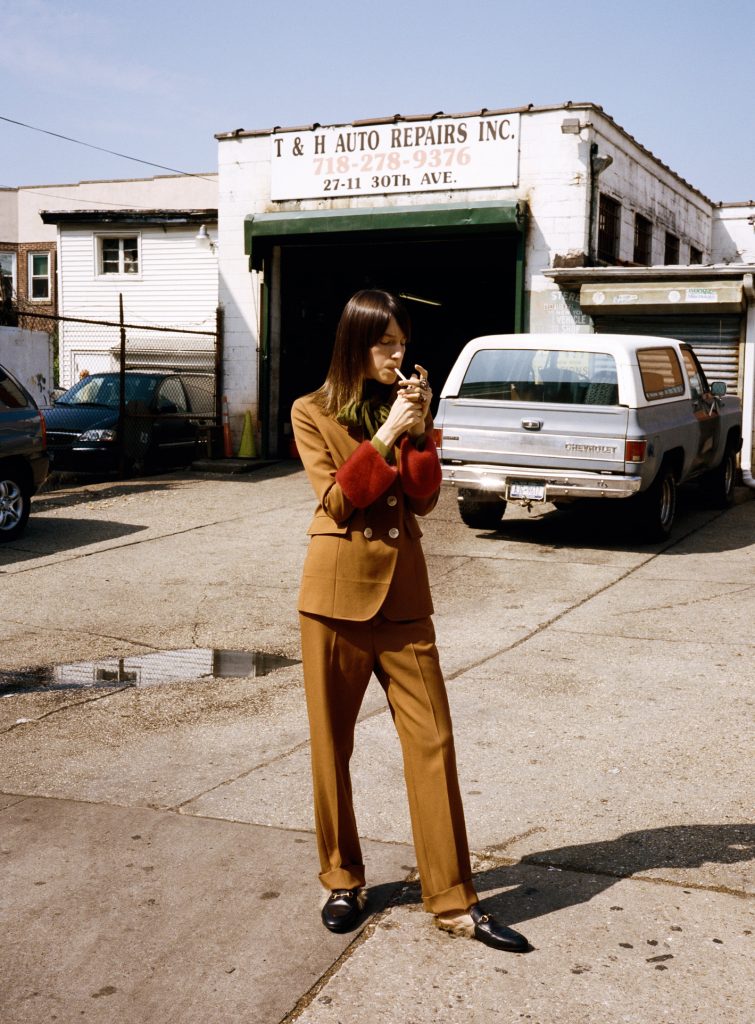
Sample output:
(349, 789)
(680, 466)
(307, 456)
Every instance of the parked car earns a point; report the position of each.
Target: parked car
(23, 458)
(549, 417)
(165, 415)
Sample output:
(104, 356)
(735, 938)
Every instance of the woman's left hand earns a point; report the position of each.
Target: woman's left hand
(417, 389)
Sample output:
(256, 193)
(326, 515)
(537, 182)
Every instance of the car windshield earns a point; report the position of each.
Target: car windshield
(542, 375)
(104, 389)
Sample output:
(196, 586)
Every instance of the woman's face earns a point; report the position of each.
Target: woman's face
(386, 354)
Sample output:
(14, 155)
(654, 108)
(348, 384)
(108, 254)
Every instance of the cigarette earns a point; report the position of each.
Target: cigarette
(398, 373)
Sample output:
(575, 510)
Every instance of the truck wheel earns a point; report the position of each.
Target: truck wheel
(656, 507)
(480, 515)
(15, 506)
(718, 485)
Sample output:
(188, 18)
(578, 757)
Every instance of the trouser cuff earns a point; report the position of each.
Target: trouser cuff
(350, 876)
(457, 898)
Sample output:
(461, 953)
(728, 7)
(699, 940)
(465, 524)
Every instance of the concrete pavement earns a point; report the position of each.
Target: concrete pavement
(157, 840)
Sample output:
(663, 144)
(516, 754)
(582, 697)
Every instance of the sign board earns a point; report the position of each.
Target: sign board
(406, 156)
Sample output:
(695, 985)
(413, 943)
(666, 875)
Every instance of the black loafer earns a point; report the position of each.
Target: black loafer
(489, 931)
(342, 909)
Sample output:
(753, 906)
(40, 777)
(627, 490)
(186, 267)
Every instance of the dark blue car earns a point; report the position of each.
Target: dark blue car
(165, 414)
(23, 458)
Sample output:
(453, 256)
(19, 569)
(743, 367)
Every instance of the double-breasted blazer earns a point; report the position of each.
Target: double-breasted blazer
(364, 555)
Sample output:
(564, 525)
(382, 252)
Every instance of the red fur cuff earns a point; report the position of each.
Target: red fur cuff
(365, 475)
(421, 474)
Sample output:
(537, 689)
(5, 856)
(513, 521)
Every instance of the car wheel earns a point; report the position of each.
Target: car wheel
(480, 515)
(718, 485)
(655, 508)
(15, 506)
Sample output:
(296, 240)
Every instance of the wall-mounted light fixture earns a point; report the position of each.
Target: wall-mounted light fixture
(202, 240)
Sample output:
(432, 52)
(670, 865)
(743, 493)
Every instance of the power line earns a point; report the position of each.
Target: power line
(112, 152)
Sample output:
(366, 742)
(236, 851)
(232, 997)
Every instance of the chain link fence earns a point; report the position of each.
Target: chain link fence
(132, 397)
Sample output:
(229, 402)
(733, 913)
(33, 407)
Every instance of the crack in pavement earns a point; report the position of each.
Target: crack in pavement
(704, 599)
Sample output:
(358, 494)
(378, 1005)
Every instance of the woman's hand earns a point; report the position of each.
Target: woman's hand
(406, 416)
(417, 390)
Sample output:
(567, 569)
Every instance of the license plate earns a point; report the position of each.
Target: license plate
(527, 490)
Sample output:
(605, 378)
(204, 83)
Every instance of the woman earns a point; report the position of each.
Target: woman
(365, 606)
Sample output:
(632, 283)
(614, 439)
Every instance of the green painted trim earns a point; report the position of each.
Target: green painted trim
(450, 218)
(519, 297)
(263, 369)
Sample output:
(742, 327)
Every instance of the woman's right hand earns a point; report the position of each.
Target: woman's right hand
(405, 414)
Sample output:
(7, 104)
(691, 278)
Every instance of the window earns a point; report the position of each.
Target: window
(8, 273)
(671, 249)
(39, 276)
(171, 397)
(542, 375)
(661, 373)
(695, 255)
(697, 381)
(609, 216)
(11, 396)
(119, 255)
(643, 240)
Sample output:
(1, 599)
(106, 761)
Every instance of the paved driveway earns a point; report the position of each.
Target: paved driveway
(157, 837)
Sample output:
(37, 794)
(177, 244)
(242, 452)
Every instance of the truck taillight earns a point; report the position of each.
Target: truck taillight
(634, 451)
(438, 437)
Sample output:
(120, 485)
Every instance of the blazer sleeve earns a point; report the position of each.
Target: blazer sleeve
(420, 472)
(319, 465)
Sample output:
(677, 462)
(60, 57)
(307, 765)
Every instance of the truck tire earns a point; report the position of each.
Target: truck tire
(15, 505)
(718, 485)
(655, 508)
(480, 515)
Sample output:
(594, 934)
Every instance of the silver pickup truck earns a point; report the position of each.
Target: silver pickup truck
(549, 417)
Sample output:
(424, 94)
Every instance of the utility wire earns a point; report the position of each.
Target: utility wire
(78, 199)
(102, 149)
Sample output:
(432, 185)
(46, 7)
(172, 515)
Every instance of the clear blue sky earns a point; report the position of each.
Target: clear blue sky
(157, 79)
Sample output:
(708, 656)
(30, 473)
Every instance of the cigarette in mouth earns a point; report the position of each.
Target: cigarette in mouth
(398, 373)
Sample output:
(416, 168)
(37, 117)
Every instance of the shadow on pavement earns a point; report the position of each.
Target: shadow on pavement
(603, 864)
(53, 536)
(595, 867)
(606, 526)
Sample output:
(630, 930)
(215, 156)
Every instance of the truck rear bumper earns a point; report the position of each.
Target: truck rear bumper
(495, 480)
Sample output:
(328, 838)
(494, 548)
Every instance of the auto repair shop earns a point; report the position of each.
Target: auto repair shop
(481, 221)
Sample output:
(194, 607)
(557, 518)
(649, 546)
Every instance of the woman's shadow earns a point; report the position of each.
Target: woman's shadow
(594, 867)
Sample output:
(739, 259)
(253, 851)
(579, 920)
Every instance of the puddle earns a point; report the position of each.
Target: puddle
(144, 670)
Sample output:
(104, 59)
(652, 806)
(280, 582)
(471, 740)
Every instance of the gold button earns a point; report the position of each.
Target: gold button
(368, 533)
(393, 500)
(393, 533)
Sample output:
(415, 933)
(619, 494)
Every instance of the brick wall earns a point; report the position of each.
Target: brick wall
(22, 250)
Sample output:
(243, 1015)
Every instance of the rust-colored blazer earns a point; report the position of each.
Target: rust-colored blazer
(364, 555)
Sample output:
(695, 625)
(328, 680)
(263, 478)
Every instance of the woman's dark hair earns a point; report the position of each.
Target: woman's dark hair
(363, 323)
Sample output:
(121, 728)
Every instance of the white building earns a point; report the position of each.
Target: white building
(133, 237)
(492, 221)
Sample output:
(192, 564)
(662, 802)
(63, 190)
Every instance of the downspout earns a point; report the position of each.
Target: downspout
(748, 383)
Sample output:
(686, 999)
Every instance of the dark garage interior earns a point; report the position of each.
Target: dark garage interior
(472, 279)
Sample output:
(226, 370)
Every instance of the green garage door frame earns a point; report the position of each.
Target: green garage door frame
(262, 231)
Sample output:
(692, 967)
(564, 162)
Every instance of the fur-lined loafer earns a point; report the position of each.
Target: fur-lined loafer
(342, 909)
(474, 923)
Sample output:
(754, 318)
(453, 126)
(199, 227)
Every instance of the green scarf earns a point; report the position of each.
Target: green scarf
(368, 413)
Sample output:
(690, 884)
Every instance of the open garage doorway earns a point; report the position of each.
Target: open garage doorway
(458, 289)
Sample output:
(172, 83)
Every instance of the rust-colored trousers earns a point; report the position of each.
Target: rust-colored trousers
(339, 658)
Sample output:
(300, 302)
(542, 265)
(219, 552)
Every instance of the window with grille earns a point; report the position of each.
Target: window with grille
(609, 216)
(671, 249)
(119, 255)
(39, 276)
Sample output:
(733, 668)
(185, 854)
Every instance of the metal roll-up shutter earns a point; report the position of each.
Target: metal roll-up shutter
(715, 339)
